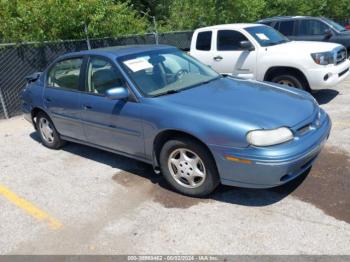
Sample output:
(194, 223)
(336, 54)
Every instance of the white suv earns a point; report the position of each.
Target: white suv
(259, 52)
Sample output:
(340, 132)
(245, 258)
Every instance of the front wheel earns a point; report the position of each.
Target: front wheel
(291, 81)
(189, 167)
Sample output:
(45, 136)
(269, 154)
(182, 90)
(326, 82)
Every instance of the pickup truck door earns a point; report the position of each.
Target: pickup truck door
(202, 46)
(228, 56)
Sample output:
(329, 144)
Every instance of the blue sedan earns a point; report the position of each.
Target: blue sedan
(161, 106)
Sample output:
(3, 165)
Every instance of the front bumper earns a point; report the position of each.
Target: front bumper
(269, 167)
(327, 76)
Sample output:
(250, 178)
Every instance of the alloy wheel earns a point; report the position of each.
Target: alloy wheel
(187, 168)
(46, 130)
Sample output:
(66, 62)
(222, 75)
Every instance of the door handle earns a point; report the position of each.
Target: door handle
(47, 99)
(217, 58)
(86, 107)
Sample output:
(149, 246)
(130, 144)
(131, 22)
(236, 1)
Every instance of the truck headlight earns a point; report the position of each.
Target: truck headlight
(269, 137)
(324, 58)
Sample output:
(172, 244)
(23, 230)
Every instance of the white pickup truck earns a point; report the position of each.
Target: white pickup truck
(259, 52)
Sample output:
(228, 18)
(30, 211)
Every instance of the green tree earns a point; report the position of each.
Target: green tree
(37, 20)
(189, 14)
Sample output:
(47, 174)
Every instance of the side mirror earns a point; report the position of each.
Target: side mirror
(117, 93)
(328, 33)
(247, 45)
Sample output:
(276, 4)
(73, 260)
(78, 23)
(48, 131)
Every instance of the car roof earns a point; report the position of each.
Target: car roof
(117, 51)
(229, 26)
(274, 18)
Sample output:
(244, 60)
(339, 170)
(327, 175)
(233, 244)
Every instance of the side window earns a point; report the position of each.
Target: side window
(311, 27)
(204, 41)
(65, 74)
(229, 40)
(286, 27)
(102, 76)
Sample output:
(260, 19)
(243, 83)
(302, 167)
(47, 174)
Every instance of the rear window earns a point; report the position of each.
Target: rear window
(204, 41)
(65, 74)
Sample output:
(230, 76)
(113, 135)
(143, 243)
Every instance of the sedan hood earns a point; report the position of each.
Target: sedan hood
(258, 104)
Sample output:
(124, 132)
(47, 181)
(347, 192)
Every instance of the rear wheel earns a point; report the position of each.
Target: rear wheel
(291, 81)
(188, 167)
(47, 131)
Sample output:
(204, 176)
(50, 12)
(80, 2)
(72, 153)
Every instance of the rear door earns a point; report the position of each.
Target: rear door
(230, 58)
(113, 124)
(201, 47)
(62, 96)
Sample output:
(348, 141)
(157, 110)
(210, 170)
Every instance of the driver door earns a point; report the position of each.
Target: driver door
(112, 124)
(230, 58)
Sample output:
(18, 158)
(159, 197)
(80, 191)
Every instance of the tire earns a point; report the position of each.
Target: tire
(291, 81)
(49, 137)
(196, 174)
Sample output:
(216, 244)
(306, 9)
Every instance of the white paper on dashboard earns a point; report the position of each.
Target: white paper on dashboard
(262, 36)
(138, 64)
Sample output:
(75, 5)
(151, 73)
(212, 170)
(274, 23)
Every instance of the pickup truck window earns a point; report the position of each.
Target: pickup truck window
(204, 41)
(311, 27)
(266, 36)
(229, 40)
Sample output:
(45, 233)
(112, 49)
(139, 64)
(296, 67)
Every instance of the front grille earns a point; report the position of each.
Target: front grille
(304, 129)
(340, 56)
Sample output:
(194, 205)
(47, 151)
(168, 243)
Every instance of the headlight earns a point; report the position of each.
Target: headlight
(269, 137)
(324, 58)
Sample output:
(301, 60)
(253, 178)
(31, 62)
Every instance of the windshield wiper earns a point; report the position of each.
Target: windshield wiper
(174, 91)
(277, 43)
(169, 92)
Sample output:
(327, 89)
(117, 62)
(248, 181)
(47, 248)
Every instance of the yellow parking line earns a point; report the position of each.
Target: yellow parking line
(29, 208)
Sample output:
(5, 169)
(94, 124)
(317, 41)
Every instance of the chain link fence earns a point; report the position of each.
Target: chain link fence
(18, 61)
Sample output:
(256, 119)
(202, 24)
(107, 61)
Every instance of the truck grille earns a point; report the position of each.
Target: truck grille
(340, 56)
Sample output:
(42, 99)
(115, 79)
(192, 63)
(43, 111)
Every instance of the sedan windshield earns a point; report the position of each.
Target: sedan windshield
(266, 36)
(166, 71)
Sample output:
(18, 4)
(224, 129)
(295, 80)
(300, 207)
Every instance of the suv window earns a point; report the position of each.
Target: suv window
(269, 23)
(286, 27)
(65, 74)
(229, 40)
(204, 41)
(311, 27)
(102, 75)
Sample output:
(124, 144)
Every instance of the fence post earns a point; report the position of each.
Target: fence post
(2, 102)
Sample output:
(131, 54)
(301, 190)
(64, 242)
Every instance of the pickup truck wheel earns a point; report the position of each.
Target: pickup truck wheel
(47, 131)
(188, 167)
(290, 80)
